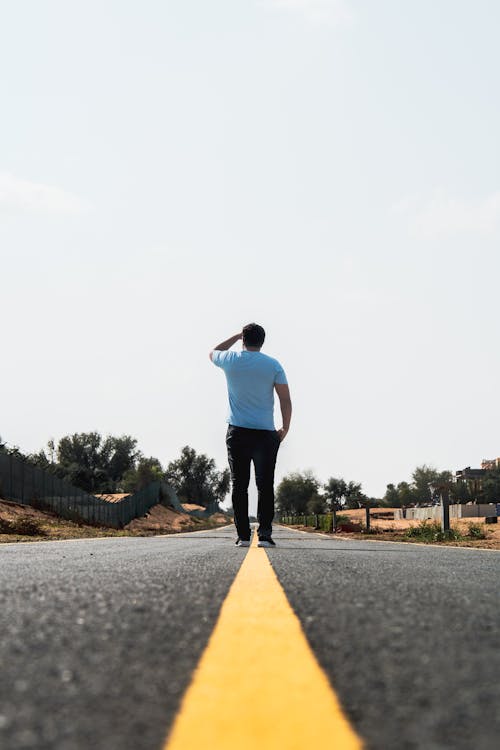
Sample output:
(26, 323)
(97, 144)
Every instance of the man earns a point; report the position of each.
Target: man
(252, 377)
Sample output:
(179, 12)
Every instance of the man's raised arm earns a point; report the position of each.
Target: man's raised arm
(226, 344)
(283, 392)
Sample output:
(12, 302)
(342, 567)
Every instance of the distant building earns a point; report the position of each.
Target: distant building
(490, 463)
(473, 478)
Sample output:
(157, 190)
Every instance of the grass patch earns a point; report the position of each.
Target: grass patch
(21, 526)
(430, 531)
(476, 531)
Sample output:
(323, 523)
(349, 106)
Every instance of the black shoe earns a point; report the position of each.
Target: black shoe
(242, 542)
(266, 541)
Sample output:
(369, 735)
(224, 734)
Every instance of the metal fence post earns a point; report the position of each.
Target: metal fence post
(367, 510)
(445, 510)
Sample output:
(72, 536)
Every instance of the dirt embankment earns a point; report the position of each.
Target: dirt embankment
(162, 519)
(24, 523)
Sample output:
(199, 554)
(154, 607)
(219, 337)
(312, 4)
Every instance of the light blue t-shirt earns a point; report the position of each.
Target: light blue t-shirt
(250, 383)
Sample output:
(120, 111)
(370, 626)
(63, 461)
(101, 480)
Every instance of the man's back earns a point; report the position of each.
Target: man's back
(251, 377)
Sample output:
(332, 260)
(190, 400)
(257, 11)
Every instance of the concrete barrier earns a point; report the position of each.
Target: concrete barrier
(433, 512)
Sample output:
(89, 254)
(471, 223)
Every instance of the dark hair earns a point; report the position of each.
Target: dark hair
(253, 335)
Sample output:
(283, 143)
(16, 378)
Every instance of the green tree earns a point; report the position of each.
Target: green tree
(295, 491)
(373, 502)
(12, 451)
(94, 463)
(120, 454)
(39, 459)
(490, 487)
(405, 493)
(422, 479)
(391, 497)
(460, 492)
(45, 458)
(353, 495)
(316, 505)
(342, 494)
(335, 489)
(146, 471)
(195, 478)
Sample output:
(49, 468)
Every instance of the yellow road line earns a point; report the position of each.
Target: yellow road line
(258, 684)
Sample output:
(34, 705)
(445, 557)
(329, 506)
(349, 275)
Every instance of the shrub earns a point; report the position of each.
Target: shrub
(5, 526)
(22, 525)
(325, 522)
(342, 519)
(28, 526)
(431, 532)
(476, 531)
(349, 526)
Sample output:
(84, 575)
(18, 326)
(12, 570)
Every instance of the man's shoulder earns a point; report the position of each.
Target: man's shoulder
(273, 367)
(270, 361)
(223, 356)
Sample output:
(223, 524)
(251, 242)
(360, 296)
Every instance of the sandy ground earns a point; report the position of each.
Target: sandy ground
(385, 527)
(11, 511)
(159, 520)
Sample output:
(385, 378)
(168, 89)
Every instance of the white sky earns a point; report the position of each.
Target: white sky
(330, 169)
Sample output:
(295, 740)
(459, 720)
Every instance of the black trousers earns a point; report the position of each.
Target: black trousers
(261, 447)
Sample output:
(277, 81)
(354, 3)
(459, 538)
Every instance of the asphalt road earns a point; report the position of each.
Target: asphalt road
(99, 638)
(408, 634)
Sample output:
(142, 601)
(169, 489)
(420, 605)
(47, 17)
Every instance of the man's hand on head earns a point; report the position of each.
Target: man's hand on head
(227, 344)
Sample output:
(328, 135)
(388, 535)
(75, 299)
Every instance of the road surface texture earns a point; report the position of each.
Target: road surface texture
(100, 638)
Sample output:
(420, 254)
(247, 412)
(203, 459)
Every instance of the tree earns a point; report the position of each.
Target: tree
(460, 492)
(146, 471)
(39, 459)
(490, 487)
(119, 455)
(342, 494)
(423, 477)
(45, 458)
(13, 451)
(373, 502)
(335, 490)
(391, 497)
(353, 495)
(93, 463)
(405, 494)
(295, 491)
(195, 478)
(316, 505)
